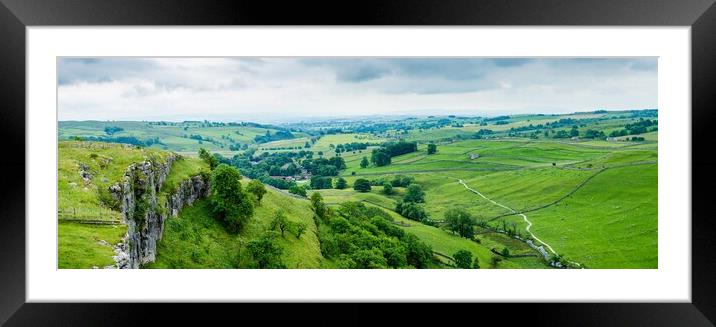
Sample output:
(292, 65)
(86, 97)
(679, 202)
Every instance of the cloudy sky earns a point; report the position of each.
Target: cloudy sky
(281, 89)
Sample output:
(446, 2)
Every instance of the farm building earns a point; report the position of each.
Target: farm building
(474, 156)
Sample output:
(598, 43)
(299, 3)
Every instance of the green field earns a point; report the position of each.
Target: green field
(83, 245)
(526, 175)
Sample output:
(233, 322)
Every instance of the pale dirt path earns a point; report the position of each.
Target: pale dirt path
(529, 223)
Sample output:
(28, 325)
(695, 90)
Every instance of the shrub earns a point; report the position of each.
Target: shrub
(298, 190)
(414, 194)
(387, 188)
(257, 189)
(341, 183)
(266, 252)
(361, 185)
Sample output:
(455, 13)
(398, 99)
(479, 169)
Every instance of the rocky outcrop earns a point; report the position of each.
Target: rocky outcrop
(145, 212)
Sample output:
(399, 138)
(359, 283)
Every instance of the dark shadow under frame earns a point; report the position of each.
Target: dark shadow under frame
(15, 15)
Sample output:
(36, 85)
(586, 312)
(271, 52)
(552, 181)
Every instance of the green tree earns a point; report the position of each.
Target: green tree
(460, 221)
(380, 157)
(298, 190)
(341, 183)
(229, 202)
(369, 259)
(410, 210)
(266, 252)
(505, 252)
(574, 132)
(364, 162)
(257, 189)
(388, 188)
(208, 158)
(495, 261)
(476, 263)
(319, 208)
(463, 259)
(362, 185)
(432, 148)
(280, 221)
(419, 254)
(299, 228)
(414, 193)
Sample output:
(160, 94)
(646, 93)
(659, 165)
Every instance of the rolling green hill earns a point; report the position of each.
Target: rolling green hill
(186, 137)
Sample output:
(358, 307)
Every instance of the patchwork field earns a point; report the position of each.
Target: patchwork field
(542, 191)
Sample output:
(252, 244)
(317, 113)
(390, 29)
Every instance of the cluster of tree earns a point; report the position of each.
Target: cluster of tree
(353, 146)
(238, 147)
(562, 123)
(360, 237)
(321, 182)
(497, 118)
(266, 252)
(501, 122)
(396, 181)
(482, 133)
(644, 113)
(362, 185)
(432, 148)
(460, 222)
(112, 129)
(442, 122)
(463, 260)
(230, 203)
(341, 183)
(268, 137)
(594, 134)
(381, 156)
(561, 134)
(122, 139)
(268, 164)
(281, 222)
(410, 205)
(640, 127)
(324, 167)
(298, 190)
(635, 139)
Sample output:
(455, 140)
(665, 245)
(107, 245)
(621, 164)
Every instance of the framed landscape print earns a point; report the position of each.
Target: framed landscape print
(356, 163)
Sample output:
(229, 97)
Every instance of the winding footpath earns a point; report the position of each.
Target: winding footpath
(529, 223)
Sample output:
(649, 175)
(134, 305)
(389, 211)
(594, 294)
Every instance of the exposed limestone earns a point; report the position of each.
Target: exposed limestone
(142, 211)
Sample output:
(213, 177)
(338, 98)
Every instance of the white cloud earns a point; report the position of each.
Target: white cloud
(271, 89)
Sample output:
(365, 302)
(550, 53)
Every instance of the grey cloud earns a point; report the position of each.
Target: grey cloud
(94, 70)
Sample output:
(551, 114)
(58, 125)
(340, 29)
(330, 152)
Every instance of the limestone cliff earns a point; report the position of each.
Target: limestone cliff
(144, 210)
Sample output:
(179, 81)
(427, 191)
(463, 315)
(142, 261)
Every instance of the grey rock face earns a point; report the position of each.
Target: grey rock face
(143, 214)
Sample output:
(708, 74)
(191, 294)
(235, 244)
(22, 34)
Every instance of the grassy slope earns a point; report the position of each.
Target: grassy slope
(529, 186)
(196, 240)
(440, 240)
(610, 222)
(79, 244)
(77, 196)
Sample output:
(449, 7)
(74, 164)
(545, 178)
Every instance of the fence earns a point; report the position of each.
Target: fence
(96, 215)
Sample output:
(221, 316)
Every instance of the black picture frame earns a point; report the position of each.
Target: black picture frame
(700, 15)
